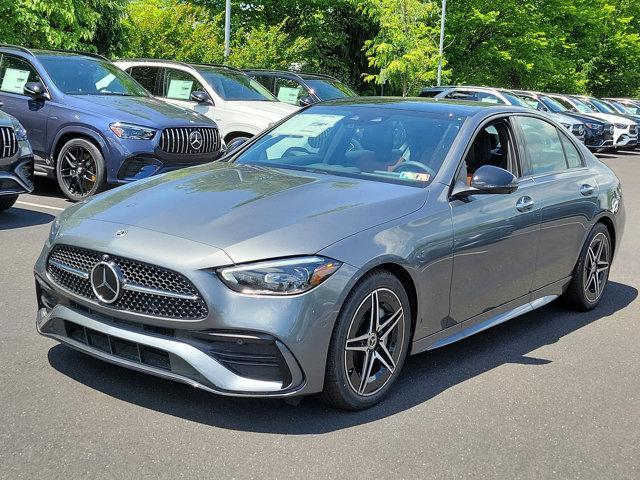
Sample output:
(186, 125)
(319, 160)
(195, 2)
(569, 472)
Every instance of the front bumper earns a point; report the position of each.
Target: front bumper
(297, 329)
(16, 173)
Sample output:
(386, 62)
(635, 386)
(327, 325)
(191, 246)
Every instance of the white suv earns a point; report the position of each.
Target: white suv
(240, 105)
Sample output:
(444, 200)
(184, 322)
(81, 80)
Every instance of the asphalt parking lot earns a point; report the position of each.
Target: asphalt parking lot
(552, 394)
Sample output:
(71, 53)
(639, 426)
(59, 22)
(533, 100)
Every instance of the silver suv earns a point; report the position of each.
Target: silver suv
(16, 161)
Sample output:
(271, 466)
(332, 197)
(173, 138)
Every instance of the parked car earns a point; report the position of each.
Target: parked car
(325, 250)
(618, 108)
(499, 96)
(630, 137)
(16, 161)
(240, 106)
(632, 106)
(598, 132)
(624, 132)
(92, 125)
(298, 88)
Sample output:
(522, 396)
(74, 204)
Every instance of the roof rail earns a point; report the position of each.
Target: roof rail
(290, 72)
(174, 62)
(78, 52)
(17, 47)
(219, 65)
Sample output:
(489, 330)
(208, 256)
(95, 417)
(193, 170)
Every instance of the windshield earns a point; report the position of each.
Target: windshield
(232, 85)
(632, 108)
(328, 89)
(514, 100)
(603, 107)
(75, 75)
(555, 105)
(584, 106)
(374, 143)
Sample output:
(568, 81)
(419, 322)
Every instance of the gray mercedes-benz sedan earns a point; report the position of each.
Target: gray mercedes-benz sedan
(317, 256)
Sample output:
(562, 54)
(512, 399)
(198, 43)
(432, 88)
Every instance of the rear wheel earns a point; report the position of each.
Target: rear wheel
(369, 343)
(7, 202)
(591, 273)
(80, 169)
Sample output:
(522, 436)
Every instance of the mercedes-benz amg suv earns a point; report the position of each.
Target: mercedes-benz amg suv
(90, 124)
(16, 161)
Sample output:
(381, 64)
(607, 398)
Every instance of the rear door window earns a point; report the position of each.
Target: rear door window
(542, 145)
(289, 91)
(179, 85)
(147, 77)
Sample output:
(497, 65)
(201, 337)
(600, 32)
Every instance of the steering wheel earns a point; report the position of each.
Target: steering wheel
(296, 151)
(415, 167)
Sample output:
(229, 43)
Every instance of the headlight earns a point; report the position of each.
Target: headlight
(20, 131)
(55, 227)
(132, 132)
(279, 277)
(593, 126)
(621, 126)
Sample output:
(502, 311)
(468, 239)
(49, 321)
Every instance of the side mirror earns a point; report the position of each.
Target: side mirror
(36, 90)
(543, 108)
(306, 101)
(200, 97)
(488, 180)
(235, 144)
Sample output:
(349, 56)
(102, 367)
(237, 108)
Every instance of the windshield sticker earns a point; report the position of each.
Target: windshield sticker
(418, 177)
(307, 125)
(289, 95)
(14, 80)
(180, 89)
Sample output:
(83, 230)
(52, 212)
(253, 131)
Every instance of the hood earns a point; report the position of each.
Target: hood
(144, 111)
(5, 119)
(252, 212)
(612, 118)
(271, 111)
(565, 119)
(582, 117)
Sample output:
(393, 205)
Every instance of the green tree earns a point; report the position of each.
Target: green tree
(405, 50)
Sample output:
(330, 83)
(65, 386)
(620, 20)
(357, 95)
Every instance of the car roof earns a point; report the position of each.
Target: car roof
(42, 53)
(427, 105)
(291, 74)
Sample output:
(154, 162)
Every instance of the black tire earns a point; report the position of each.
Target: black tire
(7, 202)
(343, 375)
(80, 169)
(588, 285)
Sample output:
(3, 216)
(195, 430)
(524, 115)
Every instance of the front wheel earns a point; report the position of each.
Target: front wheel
(591, 273)
(369, 344)
(80, 169)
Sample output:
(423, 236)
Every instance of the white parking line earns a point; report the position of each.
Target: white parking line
(41, 206)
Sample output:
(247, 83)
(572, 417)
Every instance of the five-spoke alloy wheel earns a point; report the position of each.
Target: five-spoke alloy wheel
(369, 343)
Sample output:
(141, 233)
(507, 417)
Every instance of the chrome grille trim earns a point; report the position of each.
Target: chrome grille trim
(147, 289)
(8, 142)
(176, 140)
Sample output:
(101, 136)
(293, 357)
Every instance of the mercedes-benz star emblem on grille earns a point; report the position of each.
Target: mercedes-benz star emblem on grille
(106, 281)
(196, 140)
(121, 233)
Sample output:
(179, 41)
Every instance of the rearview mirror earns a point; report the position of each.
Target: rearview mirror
(200, 97)
(488, 180)
(36, 90)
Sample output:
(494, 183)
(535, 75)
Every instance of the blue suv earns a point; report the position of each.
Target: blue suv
(90, 124)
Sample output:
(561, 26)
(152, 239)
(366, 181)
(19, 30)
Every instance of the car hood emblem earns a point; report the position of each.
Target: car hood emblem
(106, 281)
(196, 140)
(121, 233)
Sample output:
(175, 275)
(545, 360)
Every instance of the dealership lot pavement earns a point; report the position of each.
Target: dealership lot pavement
(552, 394)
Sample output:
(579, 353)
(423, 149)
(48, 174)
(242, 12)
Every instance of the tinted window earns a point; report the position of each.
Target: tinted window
(429, 93)
(75, 75)
(543, 146)
(145, 76)
(234, 85)
(179, 85)
(15, 73)
(516, 100)
(487, 98)
(289, 91)
(574, 159)
(265, 80)
(328, 89)
(382, 144)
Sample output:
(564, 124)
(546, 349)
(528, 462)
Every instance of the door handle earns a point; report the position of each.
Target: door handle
(524, 204)
(586, 189)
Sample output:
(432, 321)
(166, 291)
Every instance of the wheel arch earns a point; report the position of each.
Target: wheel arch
(235, 134)
(610, 225)
(70, 133)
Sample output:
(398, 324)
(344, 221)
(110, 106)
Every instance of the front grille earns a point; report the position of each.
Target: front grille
(8, 142)
(190, 140)
(147, 289)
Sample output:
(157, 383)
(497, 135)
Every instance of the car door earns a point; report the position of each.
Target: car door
(15, 72)
(566, 192)
(495, 236)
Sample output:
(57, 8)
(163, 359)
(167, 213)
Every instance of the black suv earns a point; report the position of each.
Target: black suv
(91, 124)
(16, 161)
(301, 88)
